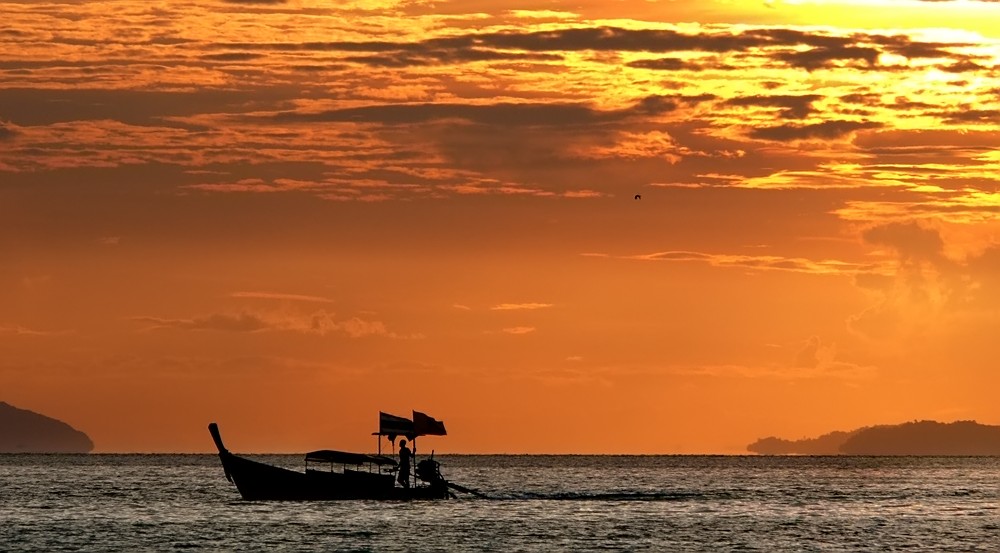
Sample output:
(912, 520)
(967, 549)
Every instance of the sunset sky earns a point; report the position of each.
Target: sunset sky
(285, 216)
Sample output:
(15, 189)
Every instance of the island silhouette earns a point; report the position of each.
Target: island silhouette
(23, 431)
(911, 438)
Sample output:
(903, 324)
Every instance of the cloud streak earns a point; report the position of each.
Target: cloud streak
(762, 262)
(519, 330)
(18, 330)
(320, 323)
(281, 297)
(531, 306)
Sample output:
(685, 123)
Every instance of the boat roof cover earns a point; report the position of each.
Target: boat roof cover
(347, 458)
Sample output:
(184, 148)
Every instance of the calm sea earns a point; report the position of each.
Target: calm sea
(537, 503)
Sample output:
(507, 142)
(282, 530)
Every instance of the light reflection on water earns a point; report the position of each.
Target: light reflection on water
(694, 503)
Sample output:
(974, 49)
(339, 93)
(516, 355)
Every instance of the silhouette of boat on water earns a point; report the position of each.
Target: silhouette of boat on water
(333, 474)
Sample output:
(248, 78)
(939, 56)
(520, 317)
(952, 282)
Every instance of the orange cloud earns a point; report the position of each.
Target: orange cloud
(320, 323)
(520, 306)
(18, 330)
(762, 262)
(280, 296)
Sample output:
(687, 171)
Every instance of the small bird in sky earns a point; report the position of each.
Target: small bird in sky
(638, 196)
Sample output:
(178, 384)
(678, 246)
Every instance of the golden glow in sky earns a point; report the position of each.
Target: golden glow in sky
(285, 216)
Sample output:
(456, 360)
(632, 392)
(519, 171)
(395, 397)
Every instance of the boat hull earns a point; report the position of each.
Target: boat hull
(262, 482)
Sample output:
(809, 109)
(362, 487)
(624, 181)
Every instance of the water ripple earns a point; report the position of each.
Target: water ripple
(578, 503)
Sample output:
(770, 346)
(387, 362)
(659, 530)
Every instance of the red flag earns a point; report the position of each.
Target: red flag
(427, 426)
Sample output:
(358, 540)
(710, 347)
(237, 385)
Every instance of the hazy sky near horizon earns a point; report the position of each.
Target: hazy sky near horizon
(285, 216)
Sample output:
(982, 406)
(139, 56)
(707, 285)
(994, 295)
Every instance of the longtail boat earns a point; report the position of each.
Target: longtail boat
(333, 474)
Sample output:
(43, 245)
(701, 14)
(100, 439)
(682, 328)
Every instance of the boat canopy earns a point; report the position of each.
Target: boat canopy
(421, 425)
(347, 458)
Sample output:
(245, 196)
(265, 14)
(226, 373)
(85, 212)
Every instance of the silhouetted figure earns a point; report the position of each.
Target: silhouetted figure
(404, 464)
(638, 196)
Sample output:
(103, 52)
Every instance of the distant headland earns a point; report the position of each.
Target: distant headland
(911, 438)
(23, 431)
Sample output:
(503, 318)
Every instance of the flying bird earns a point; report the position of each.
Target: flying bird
(638, 196)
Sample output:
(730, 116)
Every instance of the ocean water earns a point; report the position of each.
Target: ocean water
(536, 503)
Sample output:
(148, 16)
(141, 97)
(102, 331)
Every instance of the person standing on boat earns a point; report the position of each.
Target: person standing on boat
(404, 464)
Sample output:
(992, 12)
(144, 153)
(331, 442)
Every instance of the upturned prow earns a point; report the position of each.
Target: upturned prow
(214, 430)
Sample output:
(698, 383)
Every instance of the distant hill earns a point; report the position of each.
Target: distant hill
(23, 431)
(827, 444)
(911, 438)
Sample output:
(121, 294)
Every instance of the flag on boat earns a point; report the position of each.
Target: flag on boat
(424, 425)
(392, 426)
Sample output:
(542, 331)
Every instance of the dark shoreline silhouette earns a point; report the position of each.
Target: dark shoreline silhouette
(23, 431)
(911, 438)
